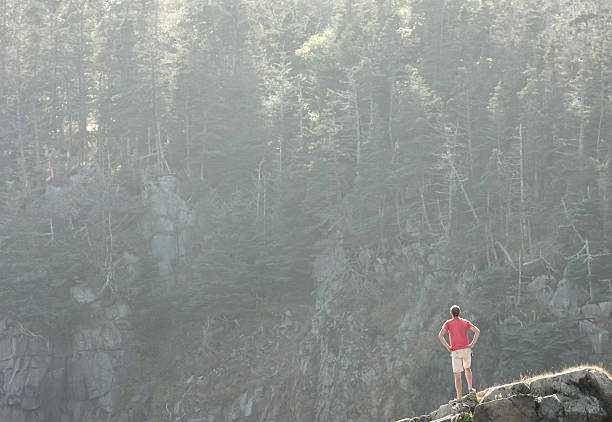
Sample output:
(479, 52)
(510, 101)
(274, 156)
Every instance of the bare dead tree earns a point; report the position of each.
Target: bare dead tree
(507, 254)
(187, 136)
(451, 151)
(572, 225)
(159, 150)
(423, 205)
(465, 195)
(581, 135)
(468, 112)
(82, 86)
(520, 275)
(355, 114)
(108, 261)
(523, 213)
(301, 105)
(3, 43)
(20, 135)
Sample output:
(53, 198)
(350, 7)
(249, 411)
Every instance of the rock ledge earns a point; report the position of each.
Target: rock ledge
(576, 394)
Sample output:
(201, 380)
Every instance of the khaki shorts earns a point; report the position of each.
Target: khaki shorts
(462, 358)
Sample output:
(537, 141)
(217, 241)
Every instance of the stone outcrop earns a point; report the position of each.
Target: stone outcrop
(79, 384)
(92, 369)
(167, 226)
(582, 394)
(27, 376)
(451, 412)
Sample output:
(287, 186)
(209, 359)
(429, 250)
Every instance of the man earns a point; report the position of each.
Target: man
(460, 348)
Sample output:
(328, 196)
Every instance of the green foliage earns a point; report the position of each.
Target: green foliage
(155, 307)
(458, 125)
(37, 272)
(317, 47)
(576, 272)
(466, 417)
(231, 265)
(490, 289)
(586, 217)
(528, 349)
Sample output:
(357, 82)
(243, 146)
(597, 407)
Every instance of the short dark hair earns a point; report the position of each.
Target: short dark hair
(455, 310)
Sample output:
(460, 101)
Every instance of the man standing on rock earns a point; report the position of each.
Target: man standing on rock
(460, 348)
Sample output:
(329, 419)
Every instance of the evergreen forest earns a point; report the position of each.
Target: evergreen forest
(475, 131)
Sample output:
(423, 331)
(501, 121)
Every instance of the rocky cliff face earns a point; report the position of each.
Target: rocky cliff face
(583, 394)
(166, 226)
(358, 353)
(81, 383)
(360, 344)
(366, 350)
(27, 376)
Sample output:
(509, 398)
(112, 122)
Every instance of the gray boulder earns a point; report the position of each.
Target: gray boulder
(585, 408)
(606, 309)
(591, 310)
(520, 408)
(550, 408)
(565, 383)
(83, 294)
(505, 391)
(564, 300)
(540, 288)
(582, 394)
(25, 360)
(601, 387)
(167, 225)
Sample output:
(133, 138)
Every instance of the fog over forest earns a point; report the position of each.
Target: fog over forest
(262, 210)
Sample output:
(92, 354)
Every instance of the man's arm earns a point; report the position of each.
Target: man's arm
(476, 334)
(441, 335)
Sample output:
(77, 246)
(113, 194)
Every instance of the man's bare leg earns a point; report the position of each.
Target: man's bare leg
(458, 384)
(468, 377)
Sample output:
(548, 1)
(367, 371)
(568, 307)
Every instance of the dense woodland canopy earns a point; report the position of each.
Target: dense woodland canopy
(479, 127)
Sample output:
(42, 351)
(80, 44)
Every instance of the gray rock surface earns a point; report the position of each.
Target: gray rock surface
(606, 309)
(83, 294)
(519, 408)
(585, 408)
(540, 288)
(565, 383)
(591, 310)
(565, 299)
(38, 383)
(583, 394)
(550, 408)
(167, 225)
(505, 391)
(25, 360)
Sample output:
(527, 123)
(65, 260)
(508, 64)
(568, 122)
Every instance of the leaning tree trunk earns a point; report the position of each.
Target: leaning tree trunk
(2, 58)
(20, 135)
(81, 88)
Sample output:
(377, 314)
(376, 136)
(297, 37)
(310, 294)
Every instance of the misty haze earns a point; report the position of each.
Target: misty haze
(263, 210)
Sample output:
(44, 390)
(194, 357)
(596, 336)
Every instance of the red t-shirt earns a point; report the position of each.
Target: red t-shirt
(457, 330)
